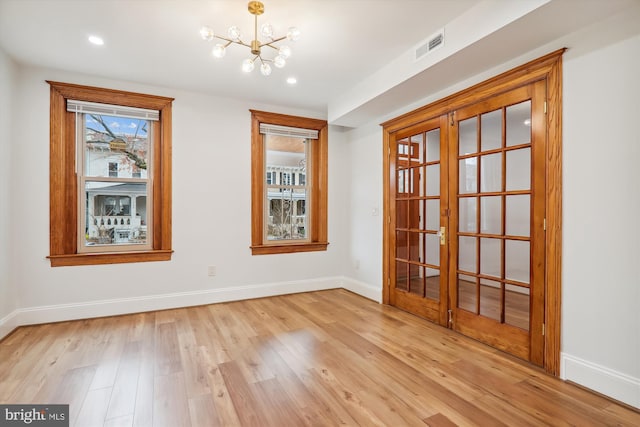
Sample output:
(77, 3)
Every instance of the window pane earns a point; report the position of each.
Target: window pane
(490, 300)
(432, 283)
(402, 207)
(416, 247)
(286, 202)
(491, 173)
(490, 257)
(433, 145)
(416, 214)
(516, 306)
(467, 293)
(467, 255)
(286, 156)
(402, 250)
(116, 213)
(517, 260)
(115, 146)
(432, 249)
(518, 215)
(491, 215)
(402, 275)
(433, 180)
(468, 175)
(416, 152)
(468, 136)
(519, 169)
(432, 221)
(491, 135)
(519, 123)
(467, 215)
(287, 219)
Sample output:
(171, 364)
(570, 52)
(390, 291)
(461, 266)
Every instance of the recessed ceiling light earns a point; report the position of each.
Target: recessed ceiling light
(96, 40)
(527, 122)
(292, 80)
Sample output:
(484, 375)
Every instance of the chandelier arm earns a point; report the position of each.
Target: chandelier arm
(229, 41)
(269, 43)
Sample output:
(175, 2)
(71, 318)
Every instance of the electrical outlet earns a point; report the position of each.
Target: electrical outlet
(211, 270)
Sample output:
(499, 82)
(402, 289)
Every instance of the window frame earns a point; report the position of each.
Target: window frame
(63, 184)
(317, 227)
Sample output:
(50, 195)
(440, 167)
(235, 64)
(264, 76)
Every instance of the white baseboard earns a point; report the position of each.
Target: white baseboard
(616, 385)
(363, 289)
(113, 307)
(8, 323)
(619, 386)
(117, 306)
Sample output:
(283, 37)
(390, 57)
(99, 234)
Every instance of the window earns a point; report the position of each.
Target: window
(110, 183)
(113, 169)
(289, 184)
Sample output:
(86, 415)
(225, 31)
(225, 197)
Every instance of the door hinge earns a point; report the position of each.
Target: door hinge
(544, 224)
(388, 281)
(452, 122)
(543, 329)
(389, 150)
(450, 317)
(545, 107)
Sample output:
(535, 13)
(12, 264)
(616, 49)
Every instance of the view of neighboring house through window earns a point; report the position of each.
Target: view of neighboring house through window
(286, 160)
(113, 182)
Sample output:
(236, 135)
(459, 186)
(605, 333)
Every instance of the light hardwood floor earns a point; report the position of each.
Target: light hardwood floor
(317, 359)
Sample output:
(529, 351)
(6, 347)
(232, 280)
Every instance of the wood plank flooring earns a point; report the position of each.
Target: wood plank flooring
(315, 359)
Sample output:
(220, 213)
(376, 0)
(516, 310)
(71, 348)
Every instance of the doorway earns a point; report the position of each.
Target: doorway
(470, 195)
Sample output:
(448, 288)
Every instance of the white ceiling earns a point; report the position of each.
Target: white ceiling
(157, 42)
(343, 41)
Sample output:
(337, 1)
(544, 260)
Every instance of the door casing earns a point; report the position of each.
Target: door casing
(549, 69)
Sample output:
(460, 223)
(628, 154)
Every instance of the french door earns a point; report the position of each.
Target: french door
(467, 220)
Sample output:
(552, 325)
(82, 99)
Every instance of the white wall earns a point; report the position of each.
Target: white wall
(601, 219)
(211, 215)
(601, 203)
(8, 301)
(365, 209)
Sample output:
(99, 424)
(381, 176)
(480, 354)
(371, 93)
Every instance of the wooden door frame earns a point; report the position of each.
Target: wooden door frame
(548, 68)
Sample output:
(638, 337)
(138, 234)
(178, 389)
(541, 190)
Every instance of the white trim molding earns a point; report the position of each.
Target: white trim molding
(363, 289)
(614, 384)
(8, 323)
(118, 306)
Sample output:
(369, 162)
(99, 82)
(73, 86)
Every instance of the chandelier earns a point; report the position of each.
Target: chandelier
(256, 46)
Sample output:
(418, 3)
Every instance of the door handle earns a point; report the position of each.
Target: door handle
(443, 236)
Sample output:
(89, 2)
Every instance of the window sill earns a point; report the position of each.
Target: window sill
(109, 258)
(289, 248)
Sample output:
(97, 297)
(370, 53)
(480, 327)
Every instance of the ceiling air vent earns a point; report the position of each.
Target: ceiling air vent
(432, 43)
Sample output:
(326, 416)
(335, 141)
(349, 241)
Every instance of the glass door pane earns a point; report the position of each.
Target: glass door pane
(417, 199)
(493, 230)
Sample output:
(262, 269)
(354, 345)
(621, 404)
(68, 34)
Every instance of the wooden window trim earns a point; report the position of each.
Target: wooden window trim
(549, 68)
(63, 195)
(318, 201)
